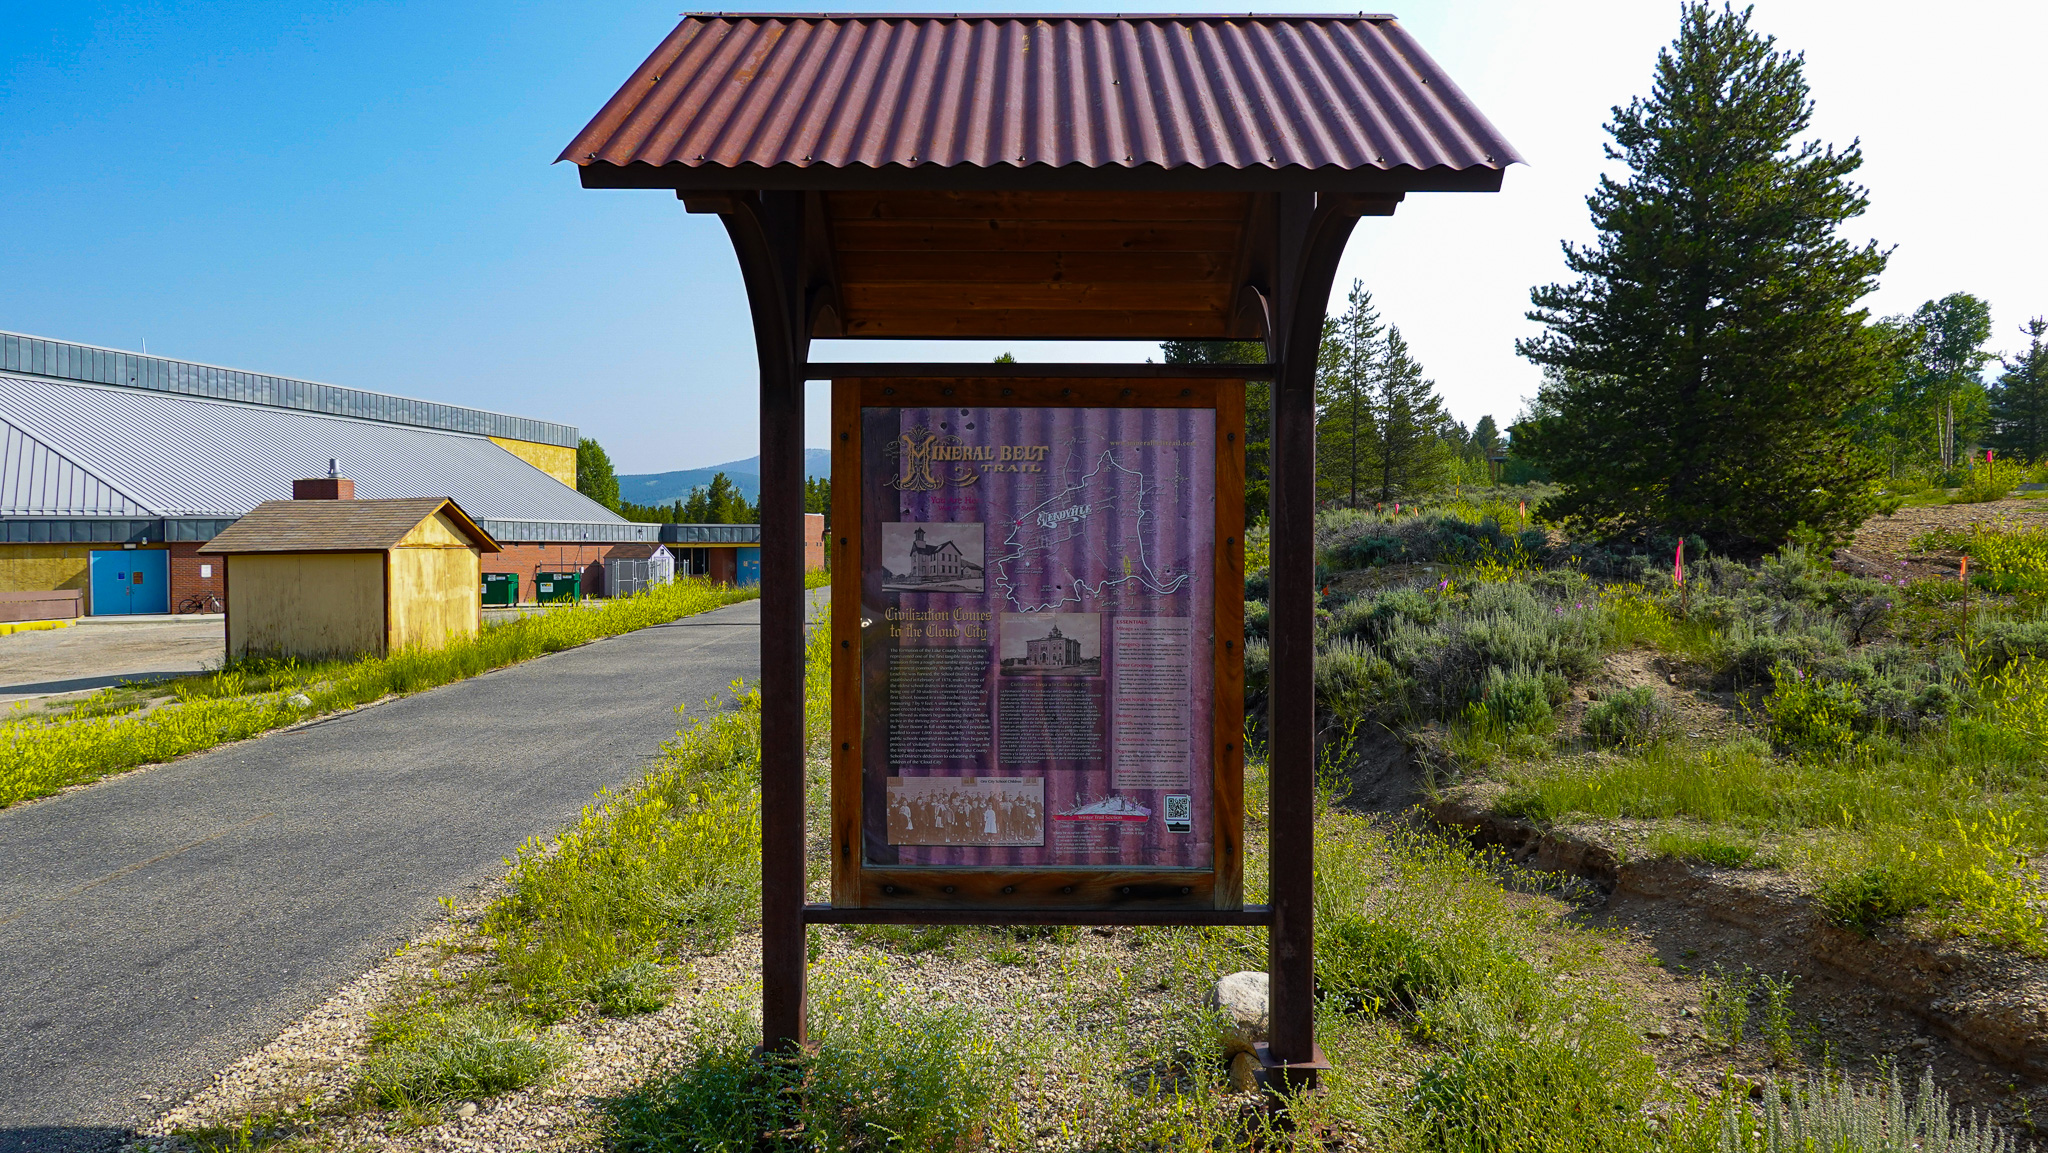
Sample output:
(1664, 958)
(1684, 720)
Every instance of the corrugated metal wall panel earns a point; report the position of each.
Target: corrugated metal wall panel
(67, 361)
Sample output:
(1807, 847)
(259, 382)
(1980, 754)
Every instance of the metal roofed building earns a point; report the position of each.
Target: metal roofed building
(142, 458)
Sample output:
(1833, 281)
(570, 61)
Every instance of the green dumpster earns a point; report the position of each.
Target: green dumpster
(501, 588)
(556, 587)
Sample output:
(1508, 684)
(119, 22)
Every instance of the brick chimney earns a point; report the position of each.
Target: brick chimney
(333, 486)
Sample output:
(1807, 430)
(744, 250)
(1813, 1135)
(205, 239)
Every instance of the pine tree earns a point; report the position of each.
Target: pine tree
(1710, 354)
(2019, 404)
(1411, 456)
(594, 476)
(1485, 438)
(726, 504)
(1944, 386)
(1348, 369)
(1258, 413)
(818, 496)
(697, 510)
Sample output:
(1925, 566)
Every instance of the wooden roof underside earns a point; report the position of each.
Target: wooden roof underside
(1106, 265)
(1035, 264)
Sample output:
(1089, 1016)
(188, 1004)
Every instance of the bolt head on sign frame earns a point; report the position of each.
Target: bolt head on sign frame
(1038, 618)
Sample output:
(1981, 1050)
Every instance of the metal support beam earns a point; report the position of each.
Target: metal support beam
(1310, 240)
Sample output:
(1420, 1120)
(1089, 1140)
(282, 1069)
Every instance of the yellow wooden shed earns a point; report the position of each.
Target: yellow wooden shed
(319, 579)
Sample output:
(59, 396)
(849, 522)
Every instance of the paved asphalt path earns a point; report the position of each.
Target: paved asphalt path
(156, 926)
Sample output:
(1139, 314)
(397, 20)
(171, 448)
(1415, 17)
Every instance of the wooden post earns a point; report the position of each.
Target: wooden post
(767, 235)
(783, 959)
(1310, 239)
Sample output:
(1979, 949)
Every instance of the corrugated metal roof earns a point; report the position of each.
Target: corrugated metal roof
(179, 456)
(40, 482)
(65, 360)
(336, 526)
(1178, 92)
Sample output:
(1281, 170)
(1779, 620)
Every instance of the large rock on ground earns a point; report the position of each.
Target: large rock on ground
(1243, 997)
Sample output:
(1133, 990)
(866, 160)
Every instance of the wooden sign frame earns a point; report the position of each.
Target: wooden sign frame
(1023, 895)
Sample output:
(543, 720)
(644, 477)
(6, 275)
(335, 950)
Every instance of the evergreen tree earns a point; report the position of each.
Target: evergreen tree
(1944, 388)
(594, 476)
(1485, 438)
(697, 510)
(818, 496)
(1410, 455)
(725, 504)
(2019, 404)
(1349, 366)
(1710, 354)
(1258, 411)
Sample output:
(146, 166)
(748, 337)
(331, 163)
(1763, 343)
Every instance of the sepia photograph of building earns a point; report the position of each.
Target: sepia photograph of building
(943, 557)
(1051, 644)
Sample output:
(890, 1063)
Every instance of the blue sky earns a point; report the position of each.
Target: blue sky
(362, 193)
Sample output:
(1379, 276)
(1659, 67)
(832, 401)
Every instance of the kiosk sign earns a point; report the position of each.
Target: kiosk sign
(1038, 646)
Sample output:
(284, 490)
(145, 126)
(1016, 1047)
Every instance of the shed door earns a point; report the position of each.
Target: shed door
(128, 581)
(750, 567)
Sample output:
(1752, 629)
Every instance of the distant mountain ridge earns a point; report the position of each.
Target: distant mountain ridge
(664, 487)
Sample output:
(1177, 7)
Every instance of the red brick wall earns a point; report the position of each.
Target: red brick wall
(185, 579)
(528, 559)
(814, 540)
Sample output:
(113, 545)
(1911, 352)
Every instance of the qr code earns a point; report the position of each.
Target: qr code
(1177, 813)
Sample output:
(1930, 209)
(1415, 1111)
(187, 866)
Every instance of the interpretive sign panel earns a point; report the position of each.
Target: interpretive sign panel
(1037, 649)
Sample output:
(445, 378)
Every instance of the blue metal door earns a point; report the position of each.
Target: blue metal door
(128, 581)
(749, 566)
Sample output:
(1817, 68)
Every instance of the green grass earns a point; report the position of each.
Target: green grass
(2005, 556)
(425, 1056)
(42, 754)
(1941, 824)
(886, 1070)
(1709, 846)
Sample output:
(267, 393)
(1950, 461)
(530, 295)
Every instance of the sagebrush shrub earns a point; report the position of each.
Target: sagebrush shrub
(1631, 717)
(1825, 1113)
(1353, 682)
(1811, 714)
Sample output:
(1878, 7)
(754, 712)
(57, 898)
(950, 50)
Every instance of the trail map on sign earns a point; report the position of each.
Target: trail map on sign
(1036, 572)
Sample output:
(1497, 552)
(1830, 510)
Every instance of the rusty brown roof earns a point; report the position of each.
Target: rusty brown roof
(828, 100)
(337, 526)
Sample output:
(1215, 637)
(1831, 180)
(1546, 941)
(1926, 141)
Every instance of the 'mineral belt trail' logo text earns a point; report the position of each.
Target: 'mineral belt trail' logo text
(926, 460)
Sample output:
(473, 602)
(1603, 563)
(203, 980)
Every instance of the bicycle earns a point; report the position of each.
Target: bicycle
(201, 603)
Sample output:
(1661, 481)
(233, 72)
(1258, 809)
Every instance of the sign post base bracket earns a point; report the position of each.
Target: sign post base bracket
(1277, 1076)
